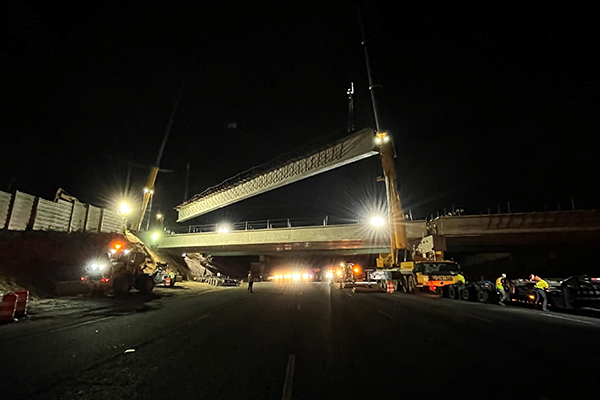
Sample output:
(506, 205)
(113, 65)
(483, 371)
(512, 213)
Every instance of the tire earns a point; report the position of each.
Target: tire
(452, 292)
(404, 284)
(145, 284)
(410, 284)
(438, 291)
(483, 296)
(121, 286)
(466, 295)
(444, 291)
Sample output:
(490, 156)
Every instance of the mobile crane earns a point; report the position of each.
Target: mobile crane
(424, 265)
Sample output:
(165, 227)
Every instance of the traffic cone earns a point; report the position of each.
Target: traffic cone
(22, 299)
(390, 287)
(168, 281)
(7, 308)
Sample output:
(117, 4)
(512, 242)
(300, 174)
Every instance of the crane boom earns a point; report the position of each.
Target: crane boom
(398, 238)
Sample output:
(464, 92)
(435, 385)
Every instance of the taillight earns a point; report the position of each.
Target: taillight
(105, 279)
(82, 278)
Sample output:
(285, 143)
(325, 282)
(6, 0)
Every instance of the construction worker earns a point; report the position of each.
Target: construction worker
(501, 290)
(460, 279)
(172, 276)
(540, 290)
(250, 281)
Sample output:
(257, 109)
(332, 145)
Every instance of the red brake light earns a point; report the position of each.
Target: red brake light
(83, 278)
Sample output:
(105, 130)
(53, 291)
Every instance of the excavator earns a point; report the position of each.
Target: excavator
(423, 264)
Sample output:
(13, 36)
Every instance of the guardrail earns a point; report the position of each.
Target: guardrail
(263, 224)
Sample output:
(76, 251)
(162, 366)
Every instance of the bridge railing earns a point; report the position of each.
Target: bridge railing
(264, 224)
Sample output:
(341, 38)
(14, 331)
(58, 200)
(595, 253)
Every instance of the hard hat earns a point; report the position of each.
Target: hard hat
(504, 275)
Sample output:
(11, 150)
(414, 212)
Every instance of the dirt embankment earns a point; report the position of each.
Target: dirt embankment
(37, 260)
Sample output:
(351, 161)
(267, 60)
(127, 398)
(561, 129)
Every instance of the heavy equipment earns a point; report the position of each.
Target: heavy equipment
(574, 292)
(423, 264)
(119, 269)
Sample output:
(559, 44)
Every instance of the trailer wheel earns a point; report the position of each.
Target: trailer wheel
(465, 294)
(452, 292)
(483, 296)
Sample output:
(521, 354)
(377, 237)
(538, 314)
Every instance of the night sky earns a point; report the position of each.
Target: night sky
(488, 102)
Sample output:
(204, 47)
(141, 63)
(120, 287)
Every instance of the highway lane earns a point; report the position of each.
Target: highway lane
(309, 341)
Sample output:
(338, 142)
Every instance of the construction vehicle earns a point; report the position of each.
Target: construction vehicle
(575, 292)
(424, 265)
(119, 270)
(160, 276)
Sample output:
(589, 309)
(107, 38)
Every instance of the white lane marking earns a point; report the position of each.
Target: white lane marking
(386, 314)
(568, 319)
(349, 295)
(479, 318)
(200, 318)
(289, 378)
(75, 325)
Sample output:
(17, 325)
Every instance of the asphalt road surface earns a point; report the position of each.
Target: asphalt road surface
(301, 341)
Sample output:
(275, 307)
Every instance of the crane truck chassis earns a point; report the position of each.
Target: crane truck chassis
(411, 276)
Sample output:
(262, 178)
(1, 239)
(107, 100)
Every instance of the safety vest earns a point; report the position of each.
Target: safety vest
(499, 283)
(460, 278)
(541, 284)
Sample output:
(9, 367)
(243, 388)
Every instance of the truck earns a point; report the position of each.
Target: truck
(423, 266)
(119, 269)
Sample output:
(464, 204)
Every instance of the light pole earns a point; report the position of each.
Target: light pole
(146, 190)
(160, 219)
(124, 211)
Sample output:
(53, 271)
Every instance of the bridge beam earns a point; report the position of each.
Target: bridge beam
(350, 149)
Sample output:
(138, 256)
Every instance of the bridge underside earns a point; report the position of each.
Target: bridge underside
(288, 249)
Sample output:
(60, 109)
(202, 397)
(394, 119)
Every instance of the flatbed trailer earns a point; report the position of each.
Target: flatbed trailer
(577, 291)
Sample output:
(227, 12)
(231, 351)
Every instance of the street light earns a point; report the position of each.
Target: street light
(124, 209)
(377, 221)
(146, 190)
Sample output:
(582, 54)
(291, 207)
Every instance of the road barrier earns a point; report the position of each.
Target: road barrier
(390, 287)
(7, 309)
(22, 300)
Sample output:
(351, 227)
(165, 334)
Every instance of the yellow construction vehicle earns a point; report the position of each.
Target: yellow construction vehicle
(423, 264)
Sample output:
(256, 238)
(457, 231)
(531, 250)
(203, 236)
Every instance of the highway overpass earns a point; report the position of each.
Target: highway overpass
(473, 233)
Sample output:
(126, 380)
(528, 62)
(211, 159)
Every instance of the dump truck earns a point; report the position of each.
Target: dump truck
(119, 270)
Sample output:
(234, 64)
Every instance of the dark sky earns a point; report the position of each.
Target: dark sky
(487, 101)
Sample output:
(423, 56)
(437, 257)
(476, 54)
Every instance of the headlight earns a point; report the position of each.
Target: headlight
(96, 267)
